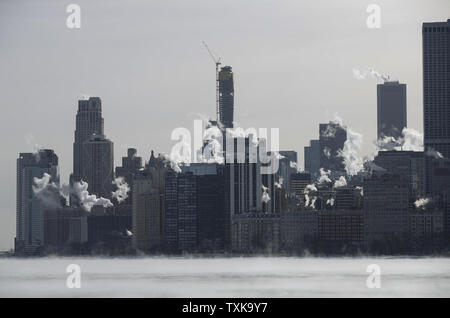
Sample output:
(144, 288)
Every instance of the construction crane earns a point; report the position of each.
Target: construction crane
(217, 63)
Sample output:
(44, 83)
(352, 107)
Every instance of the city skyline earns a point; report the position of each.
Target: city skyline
(143, 151)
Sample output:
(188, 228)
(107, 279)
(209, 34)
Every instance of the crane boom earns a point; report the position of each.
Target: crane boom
(217, 63)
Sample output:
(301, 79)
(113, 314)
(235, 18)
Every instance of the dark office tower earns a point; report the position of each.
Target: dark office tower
(131, 164)
(30, 208)
(386, 204)
(391, 109)
(88, 121)
(286, 168)
(436, 95)
(181, 218)
(226, 97)
(332, 139)
(312, 158)
(98, 165)
(408, 164)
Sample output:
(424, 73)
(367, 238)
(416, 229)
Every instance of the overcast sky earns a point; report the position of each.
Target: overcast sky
(292, 60)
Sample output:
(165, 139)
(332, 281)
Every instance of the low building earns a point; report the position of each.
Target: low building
(255, 232)
(298, 230)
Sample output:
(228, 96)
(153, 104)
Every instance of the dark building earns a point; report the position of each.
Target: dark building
(436, 97)
(298, 230)
(391, 109)
(286, 168)
(195, 218)
(409, 164)
(299, 181)
(312, 158)
(88, 121)
(347, 198)
(332, 139)
(341, 229)
(255, 233)
(148, 208)
(30, 208)
(226, 97)
(131, 165)
(386, 207)
(98, 165)
(108, 233)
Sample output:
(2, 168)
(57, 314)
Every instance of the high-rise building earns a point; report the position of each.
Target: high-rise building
(148, 216)
(386, 208)
(131, 165)
(312, 158)
(98, 165)
(195, 216)
(436, 97)
(299, 181)
(408, 164)
(391, 109)
(146, 213)
(287, 165)
(30, 208)
(332, 139)
(88, 121)
(181, 232)
(226, 97)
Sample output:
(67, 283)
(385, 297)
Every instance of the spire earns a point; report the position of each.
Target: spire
(152, 161)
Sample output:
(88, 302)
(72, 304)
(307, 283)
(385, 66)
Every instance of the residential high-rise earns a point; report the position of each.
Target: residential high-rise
(88, 121)
(98, 165)
(226, 97)
(30, 209)
(195, 214)
(391, 109)
(436, 97)
(148, 208)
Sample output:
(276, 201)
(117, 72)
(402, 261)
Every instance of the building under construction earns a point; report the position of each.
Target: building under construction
(226, 97)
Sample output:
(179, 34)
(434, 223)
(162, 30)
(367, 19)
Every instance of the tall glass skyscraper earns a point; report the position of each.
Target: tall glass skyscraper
(436, 98)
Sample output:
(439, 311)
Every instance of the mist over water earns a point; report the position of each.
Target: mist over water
(225, 277)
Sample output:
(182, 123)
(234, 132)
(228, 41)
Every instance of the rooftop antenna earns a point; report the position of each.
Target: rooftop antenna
(217, 63)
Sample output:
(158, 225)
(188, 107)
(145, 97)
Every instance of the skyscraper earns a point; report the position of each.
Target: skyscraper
(88, 121)
(391, 109)
(131, 164)
(148, 209)
(30, 209)
(98, 165)
(312, 158)
(286, 168)
(436, 96)
(226, 97)
(332, 139)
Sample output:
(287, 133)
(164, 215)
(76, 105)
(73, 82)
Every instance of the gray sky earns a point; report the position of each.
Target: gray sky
(292, 60)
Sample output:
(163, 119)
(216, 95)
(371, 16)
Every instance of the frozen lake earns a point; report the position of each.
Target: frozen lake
(225, 277)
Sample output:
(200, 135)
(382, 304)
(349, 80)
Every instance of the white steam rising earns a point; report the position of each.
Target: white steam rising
(121, 194)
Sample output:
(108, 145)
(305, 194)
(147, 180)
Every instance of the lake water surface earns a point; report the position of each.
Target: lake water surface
(225, 277)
